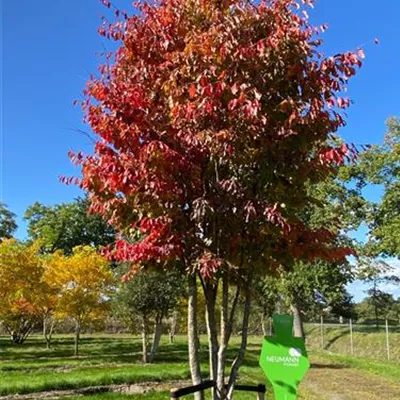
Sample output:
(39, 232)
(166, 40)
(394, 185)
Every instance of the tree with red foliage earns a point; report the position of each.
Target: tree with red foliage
(212, 120)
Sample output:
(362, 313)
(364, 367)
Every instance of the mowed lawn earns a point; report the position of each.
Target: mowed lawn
(106, 360)
(103, 360)
(116, 360)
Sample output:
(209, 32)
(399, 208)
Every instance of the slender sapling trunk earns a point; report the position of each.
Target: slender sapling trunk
(77, 337)
(193, 338)
(174, 324)
(156, 337)
(298, 323)
(145, 357)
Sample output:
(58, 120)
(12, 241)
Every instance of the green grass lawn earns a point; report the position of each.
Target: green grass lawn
(115, 359)
(105, 360)
(384, 369)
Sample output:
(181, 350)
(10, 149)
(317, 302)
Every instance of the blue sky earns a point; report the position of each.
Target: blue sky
(49, 49)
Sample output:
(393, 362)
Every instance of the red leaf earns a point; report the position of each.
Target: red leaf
(234, 88)
(261, 46)
(203, 81)
(232, 104)
(192, 91)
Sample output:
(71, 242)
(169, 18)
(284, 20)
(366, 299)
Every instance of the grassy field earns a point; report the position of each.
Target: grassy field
(112, 362)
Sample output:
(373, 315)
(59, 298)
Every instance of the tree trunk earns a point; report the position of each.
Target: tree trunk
(376, 305)
(263, 327)
(47, 338)
(193, 337)
(242, 351)
(220, 381)
(48, 326)
(298, 323)
(77, 337)
(210, 293)
(50, 333)
(145, 358)
(156, 337)
(376, 317)
(174, 323)
(21, 331)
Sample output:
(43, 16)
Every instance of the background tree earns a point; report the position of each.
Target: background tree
(376, 272)
(394, 312)
(311, 287)
(65, 226)
(148, 298)
(344, 307)
(48, 308)
(308, 289)
(7, 222)
(377, 305)
(21, 285)
(206, 149)
(84, 282)
(267, 296)
(48, 301)
(380, 165)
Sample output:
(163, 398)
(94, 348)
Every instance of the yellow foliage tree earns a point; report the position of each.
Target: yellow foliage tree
(83, 281)
(23, 294)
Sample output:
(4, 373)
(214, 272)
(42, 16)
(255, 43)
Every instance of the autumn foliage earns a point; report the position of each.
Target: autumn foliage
(39, 288)
(83, 282)
(24, 296)
(211, 119)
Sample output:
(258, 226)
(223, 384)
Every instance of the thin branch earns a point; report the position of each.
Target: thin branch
(86, 134)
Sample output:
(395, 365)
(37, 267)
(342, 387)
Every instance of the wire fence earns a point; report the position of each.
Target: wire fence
(359, 340)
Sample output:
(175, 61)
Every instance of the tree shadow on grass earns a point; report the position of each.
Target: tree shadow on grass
(62, 347)
(331, 341)
(328, 366)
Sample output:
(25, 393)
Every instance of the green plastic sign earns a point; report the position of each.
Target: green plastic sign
(284, 358)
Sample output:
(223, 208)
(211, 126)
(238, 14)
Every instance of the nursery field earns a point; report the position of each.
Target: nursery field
(109, 367)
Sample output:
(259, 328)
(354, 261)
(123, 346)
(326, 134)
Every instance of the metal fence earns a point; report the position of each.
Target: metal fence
(349, 338)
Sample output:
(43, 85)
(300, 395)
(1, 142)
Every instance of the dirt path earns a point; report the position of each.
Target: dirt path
(333, 381)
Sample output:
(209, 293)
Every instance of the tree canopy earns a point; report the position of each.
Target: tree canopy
(8, 224)
(198, 129)
(380, 165)
(148, 299)
(212, 121)
(83, 282)
(23, 294)
(65, 226)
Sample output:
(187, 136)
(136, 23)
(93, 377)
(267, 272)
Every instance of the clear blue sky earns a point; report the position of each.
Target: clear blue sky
(49, 49)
